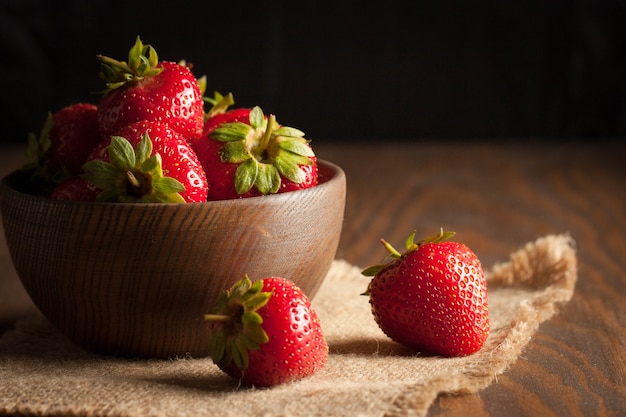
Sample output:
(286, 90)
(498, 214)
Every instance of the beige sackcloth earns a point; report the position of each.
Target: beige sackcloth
(42, 373)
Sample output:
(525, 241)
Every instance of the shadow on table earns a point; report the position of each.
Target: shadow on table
(372, 347)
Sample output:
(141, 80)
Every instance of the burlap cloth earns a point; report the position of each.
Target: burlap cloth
(41, 373)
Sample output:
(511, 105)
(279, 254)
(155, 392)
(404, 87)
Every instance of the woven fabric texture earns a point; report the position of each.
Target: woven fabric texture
(42, 373)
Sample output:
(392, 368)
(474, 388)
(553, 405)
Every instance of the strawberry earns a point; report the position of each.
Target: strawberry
(246, 154)
(65, 140)
(266, 333)
(432, 297)
(147, 162)
(145, 89)
(75, 189)
(221, 187)
(73, 135)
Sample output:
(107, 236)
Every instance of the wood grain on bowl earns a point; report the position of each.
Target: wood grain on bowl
(136, 279)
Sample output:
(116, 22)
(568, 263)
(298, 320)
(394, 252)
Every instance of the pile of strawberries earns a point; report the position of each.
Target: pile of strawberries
(150, 139)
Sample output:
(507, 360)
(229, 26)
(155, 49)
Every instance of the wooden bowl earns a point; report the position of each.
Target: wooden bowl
(136, 279)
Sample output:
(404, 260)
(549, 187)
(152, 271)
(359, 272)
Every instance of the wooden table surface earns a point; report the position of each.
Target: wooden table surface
(497, 195)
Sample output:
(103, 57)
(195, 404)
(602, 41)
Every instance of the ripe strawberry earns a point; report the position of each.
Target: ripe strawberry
(246, 154)
(266, 333)
(432, 298)
(146, 89)
(74, 133)
(162, 167)
(75, 189)
(64, 142)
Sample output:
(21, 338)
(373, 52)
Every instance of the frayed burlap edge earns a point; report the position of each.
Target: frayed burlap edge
(528, 288)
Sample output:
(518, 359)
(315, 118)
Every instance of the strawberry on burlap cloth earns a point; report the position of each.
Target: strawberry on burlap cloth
(42, 373)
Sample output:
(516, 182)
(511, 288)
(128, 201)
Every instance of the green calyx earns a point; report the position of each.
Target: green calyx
(42, 178)
(38, 146)
(237, 324)
(219, 103)
(132, 175)
(410, 246)
(264, 151)
(143, 62)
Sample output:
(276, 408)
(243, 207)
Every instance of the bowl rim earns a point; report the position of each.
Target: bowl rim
(329, 173)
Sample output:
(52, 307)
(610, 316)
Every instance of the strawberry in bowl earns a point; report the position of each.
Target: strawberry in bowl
(126, 254)
(245, 154)
(147, 161)
(145, 88)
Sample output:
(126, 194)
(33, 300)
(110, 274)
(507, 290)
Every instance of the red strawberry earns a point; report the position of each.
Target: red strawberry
(146, 89)
(73, 135)
(64, 142)
(432, 298)
(246, 154)
(75, 189)
(266, 333)
(162, 167)
(208, 151)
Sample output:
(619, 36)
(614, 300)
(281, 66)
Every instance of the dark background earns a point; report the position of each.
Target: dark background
(386, 70)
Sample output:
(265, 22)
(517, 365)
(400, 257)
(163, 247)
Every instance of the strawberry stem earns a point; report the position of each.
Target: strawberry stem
(394, 253)
(134, 182)
(267, 136)
(139, 184)
(219, 317)
(440, 237)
